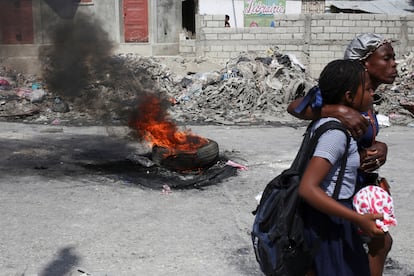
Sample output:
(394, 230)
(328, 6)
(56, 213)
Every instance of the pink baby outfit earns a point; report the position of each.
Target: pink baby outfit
(375, 200)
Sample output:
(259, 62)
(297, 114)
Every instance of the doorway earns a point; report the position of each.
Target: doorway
(135, 20)
(189, 10)
(16, 22)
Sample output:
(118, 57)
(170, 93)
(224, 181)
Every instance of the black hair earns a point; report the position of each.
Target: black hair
(340, 76)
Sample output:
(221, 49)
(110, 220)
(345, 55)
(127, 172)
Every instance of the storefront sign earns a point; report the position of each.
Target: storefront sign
(260, 13)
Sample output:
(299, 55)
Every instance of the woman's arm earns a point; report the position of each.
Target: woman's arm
(352, 119)
(374, 157)
(312, 193)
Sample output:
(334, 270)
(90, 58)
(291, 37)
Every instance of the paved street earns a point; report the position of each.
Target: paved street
(59, 217)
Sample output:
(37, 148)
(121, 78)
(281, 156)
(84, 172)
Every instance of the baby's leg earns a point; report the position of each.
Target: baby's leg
(377, 254)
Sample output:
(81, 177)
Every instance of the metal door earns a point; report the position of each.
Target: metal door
(135, 20)
(16, 22)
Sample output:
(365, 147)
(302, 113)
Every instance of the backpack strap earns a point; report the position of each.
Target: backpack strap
(318, 132)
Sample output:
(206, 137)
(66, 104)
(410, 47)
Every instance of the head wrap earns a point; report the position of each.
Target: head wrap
(360, 48)
(363, 45)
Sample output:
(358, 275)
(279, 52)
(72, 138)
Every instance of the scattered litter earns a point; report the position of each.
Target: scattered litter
(250, 88)
(166, 189)
(236, 165)
(37, 95)
(297, 62)
(4, 84)
(83, 273)
(36, 86)
(60, 106)
(24, 92)
(383, 121)
(55, 122)
(34, 96)
(140, 160)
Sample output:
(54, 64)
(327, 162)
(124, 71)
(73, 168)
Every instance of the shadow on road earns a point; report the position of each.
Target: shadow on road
(63, 263)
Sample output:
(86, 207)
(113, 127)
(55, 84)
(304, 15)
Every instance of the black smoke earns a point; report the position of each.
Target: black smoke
(79, 66)
(80, 51)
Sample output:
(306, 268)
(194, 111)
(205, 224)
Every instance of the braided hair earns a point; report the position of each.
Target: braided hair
(340, 76)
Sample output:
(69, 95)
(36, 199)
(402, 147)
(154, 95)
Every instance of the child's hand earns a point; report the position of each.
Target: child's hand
(367, 224)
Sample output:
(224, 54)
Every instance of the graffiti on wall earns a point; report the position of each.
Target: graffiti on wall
(260, 13)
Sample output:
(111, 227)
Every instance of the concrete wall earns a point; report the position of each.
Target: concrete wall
(166, 25)
(24, 58)
(315, 39)
(46, 17)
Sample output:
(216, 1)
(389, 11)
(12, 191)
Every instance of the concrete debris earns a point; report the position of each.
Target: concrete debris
(4, 84)
(60, 106)
(247, 89)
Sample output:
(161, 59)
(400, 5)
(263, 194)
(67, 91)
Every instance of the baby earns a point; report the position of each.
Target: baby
(375, 200)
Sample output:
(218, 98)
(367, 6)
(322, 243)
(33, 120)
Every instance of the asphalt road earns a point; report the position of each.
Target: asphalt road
(60, 217)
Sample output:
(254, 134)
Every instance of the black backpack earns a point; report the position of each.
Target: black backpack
(277, 233)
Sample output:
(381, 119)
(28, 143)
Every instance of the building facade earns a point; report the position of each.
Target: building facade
(195, 28)
(148, 27)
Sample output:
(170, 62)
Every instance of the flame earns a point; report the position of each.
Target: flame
(152, 123)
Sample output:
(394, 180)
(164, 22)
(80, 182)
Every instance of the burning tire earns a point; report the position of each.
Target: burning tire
(204, 157)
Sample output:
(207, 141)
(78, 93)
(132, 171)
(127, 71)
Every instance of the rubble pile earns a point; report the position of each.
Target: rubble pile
(248, 89)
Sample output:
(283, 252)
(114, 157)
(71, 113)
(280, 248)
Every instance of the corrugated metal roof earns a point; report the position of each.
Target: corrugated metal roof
(375, 6)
